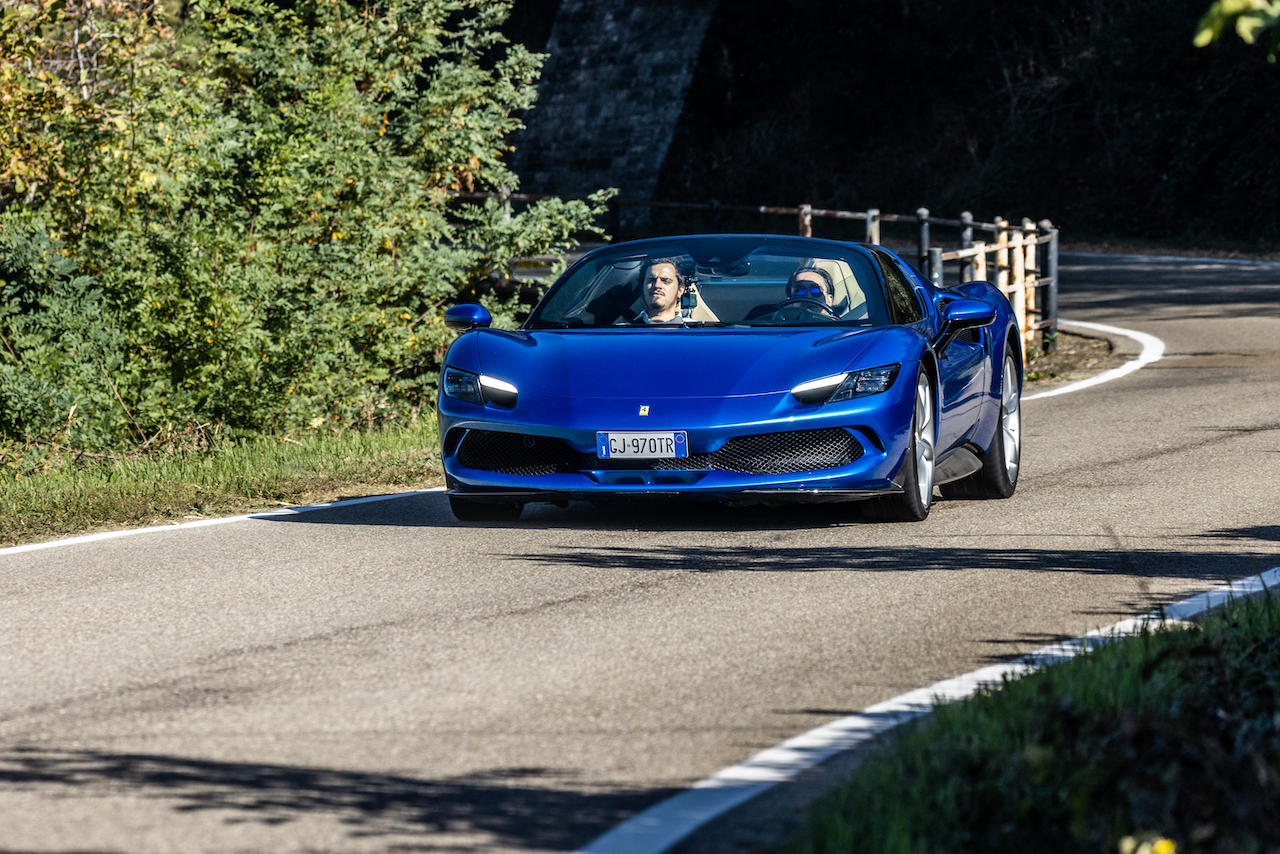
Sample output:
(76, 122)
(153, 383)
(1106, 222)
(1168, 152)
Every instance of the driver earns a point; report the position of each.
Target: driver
(664, 285)
(812, 283)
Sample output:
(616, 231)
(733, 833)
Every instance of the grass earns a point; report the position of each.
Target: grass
(68, 494)
(1166, 741)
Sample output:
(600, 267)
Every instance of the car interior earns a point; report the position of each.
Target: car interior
(749, 289)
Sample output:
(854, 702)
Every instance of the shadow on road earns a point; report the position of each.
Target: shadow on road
(431, 510)
(1234, 558)
(1124, 286)
(493, 806)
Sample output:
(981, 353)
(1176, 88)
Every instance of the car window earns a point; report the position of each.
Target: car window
(727, 281)
(904, 306)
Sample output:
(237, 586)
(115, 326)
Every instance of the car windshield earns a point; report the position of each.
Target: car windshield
(730, 281)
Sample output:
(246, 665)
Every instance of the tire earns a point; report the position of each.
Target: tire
(917, 468)
(467, 510)
(998, 477)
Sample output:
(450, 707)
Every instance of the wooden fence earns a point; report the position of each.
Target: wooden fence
(1020, 260)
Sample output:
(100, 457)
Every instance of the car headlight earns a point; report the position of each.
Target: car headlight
(846, 386)
(461, 385)
(478, 388)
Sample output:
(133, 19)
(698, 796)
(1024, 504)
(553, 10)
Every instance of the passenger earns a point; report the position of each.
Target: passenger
(813, 283)
(664, 285)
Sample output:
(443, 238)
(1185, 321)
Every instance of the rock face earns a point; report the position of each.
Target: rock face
(611, 95)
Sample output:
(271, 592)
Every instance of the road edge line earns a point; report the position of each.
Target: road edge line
(668, 822)
(1152, 351)
(220, 520)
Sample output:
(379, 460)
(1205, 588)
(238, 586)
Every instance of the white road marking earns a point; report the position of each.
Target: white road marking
(201, 523)
(1152, 351)
(663, 825)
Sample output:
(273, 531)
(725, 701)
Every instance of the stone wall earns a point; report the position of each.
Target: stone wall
(611, 94)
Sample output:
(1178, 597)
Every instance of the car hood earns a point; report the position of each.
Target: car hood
(666, 363)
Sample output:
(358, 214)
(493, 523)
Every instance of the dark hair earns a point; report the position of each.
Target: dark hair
(682, 276)
(826, 277)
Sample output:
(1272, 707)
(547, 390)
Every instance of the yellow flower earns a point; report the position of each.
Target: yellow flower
(1163, 846)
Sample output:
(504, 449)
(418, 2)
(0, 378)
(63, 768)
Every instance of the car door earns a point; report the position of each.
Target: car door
(961, 368)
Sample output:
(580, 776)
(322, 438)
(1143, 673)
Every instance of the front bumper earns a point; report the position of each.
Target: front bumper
(877, 426)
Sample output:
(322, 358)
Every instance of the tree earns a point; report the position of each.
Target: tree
(261, 205)
(1249, 18)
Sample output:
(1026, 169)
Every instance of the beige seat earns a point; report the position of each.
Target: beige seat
(701, 311)
(846, 285)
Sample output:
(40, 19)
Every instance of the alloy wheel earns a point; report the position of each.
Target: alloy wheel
(1011, 419)
(924, 439)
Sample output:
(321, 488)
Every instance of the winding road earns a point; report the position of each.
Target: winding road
(378, 677)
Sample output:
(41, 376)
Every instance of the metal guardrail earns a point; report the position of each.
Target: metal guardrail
(1023, 260)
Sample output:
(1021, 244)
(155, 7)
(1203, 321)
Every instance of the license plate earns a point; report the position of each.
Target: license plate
(641, 446)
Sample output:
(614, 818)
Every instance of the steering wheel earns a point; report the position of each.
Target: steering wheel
(801, 306)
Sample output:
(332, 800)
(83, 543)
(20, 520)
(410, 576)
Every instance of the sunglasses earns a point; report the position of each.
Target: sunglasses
(800, 291)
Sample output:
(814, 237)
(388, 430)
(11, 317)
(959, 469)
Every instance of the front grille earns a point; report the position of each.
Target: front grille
(783, 453)
(765, 453)
(516, 453)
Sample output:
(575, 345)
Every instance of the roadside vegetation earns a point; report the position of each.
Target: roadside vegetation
(251, 214)
(45, 494)
(1167, 741)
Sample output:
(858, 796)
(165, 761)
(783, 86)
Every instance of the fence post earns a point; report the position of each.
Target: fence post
(966, 241)
(1019, 287)
(1030, 278)
(922, 256)
(1050, 340)
(980, 262)
(873, 226)
(935, 266)
(1002, 255)
(806, 220)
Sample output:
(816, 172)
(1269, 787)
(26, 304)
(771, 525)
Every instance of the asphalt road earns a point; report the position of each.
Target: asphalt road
(379, 677)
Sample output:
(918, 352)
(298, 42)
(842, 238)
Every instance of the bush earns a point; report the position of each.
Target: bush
(251, 218)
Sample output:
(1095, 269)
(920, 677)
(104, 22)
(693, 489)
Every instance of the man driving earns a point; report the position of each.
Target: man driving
(664, 285)
(813, 283)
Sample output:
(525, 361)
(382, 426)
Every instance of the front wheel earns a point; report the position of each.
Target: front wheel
(917, 468)
(998, 477)
(467, 510)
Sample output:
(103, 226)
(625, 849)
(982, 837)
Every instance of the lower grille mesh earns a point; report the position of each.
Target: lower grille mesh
(783, 453)
(515, 453)
(765, 453)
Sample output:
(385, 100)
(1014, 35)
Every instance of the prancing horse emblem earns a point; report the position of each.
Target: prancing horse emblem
(644, 410)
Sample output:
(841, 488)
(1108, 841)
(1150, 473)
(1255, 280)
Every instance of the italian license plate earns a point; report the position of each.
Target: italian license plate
(641, 446)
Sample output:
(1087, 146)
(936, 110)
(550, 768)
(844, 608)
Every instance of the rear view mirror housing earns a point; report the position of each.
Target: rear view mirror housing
(961, 315)
(468, 316)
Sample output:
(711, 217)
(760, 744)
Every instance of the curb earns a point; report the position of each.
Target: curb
(673, 822)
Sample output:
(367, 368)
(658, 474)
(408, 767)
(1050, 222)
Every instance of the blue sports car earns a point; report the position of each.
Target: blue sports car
(740, 369)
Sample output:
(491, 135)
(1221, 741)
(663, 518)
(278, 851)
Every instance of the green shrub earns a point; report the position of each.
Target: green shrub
(1171, 733)
(252, 217)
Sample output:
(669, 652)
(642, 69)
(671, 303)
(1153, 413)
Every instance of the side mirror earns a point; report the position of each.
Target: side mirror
(961, 315)
(467, 316)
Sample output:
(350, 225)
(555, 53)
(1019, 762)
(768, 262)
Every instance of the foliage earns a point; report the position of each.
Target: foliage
(1169, 735)
(1247, 17)
(249, 215)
